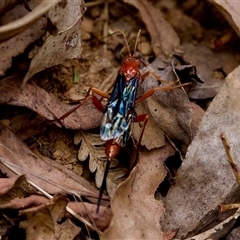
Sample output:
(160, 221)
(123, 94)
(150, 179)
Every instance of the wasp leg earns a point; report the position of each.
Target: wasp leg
(153, 90)
(140, 118)
(146, 74)
(89, 95)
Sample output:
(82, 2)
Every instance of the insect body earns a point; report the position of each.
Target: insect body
(119, 114)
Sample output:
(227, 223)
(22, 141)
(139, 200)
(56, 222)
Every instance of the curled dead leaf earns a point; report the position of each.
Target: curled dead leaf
(135, 195)
(43, 221)
(66, 43)
(11, 29)
(37, 99)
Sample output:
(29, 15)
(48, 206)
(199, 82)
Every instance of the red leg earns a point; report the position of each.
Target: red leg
(151, 91)
(141, 118)
(89, 95)
(146, 74)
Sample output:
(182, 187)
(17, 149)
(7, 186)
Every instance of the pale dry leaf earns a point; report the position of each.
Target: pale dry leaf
(207, 62)
(136, 212)
(42, 221)
(170, 109)
(45, 173)
(65, 44)
(37, 99)
(163, 36)
(11, 29)
(93, 149)
(18, 44)
(205, 178)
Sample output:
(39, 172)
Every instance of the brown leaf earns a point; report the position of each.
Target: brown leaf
(208, 64)
(170, 109)
(18, 44)
(42, 222)
(47, 174)
(152, 130)
(163, 36)
(65, 44)
(136, 212)
(205, 178)
(15, 27)
(37, 99)
(19, 189)
(92, 148)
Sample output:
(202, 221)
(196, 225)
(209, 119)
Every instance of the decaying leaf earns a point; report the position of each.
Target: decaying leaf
(42, 221)
(18, 44)
(19, 189)
(212, 67)
(11, 29)
(65, 44)
(130, 219)
(170, 109)
(163, 37)
(37, 99)
(152, 130)
(93, 149)
(205, 178)
(47, 174)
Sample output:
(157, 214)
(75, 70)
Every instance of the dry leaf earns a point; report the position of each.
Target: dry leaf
(163, 36)
(170, 109)
(11, 29)
(230, 10)
(88, 212)
(37, 99)
(19, 189)
(136, 212)
(42, 222)
(205, 178)
(47, 174)
(152, 130)
(18, 44)
(93, 149)
(65, 44)
(208, 63)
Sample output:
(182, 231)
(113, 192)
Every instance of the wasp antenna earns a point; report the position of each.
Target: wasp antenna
(119, 31)
(103, 184)
(138, 35)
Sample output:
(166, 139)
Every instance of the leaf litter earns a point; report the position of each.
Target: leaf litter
(181, 115)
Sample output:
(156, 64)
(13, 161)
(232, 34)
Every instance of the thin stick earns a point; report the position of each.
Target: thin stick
(223, 208)
(231, 159)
